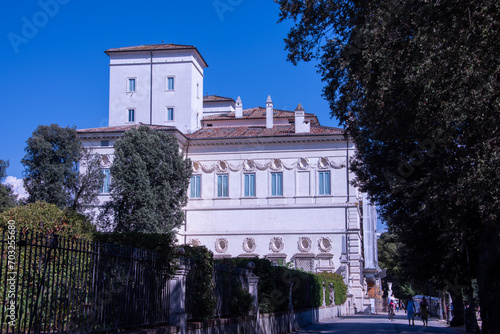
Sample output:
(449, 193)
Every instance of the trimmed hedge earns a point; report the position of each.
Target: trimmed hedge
(307, 288)
(338, 284)
(200, 299)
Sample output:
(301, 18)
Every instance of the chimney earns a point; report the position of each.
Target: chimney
(269, 112)
(239, 108)
(301, 125)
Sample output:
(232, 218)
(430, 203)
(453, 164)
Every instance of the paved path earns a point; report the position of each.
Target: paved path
(378, 324)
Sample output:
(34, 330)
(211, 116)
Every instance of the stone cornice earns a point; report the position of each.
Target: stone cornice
(267, 140)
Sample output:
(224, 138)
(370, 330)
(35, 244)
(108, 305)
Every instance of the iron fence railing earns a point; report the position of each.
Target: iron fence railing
(51, 284)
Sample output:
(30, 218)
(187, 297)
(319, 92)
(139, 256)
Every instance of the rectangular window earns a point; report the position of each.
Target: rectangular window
(277, 184)
(324, 183)
(222, 186)
(196, 186)
(131, 115)
(249, 185)
(104, 142)
(170, 83)
(131, 84)
(106, 175)
(170, 114)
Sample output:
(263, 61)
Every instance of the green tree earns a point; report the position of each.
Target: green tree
(53, 157)
(7, 198)
(149, 183)
(416, 84)
(388, 259)
(88, 184)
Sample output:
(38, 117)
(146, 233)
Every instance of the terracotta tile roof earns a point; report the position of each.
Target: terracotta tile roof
(258, 112)
(156, 47)
(152, 47)
(216, 98)
(259, 131)
(123, 128)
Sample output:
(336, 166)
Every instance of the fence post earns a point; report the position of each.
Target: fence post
(177, 286)
(253, 283)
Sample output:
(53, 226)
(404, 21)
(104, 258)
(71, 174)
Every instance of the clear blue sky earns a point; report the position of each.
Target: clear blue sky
(58, 72)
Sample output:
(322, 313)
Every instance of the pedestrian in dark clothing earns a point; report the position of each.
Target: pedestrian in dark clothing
(424, 312)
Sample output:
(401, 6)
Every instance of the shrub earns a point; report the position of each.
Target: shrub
(200, 299)
(274, 286)
(48, 219)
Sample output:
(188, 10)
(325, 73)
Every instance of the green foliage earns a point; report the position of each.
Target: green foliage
(50, 163)
(337, 281)
(416, 83)
(84, 195)
(149, 184)
(48, 219)
(307, 288)
(200, 299)
(162, 244)
(53, 156)
(241, 299)
(7, 197)
(389, 259)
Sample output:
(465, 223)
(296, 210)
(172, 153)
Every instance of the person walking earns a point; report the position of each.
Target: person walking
(410, 311)
(424, 312)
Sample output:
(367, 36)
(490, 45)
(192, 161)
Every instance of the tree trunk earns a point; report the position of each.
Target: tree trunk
(458, 308)
(488, 279)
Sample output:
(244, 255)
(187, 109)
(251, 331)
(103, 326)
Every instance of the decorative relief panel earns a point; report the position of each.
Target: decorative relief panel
(304, 244)
(222, 166)
(105, 160)
(325, 244)
(249, 165)
(323, 163)
(303, 163)
(221, 245)
(196, 166)
(273, 164)
(194, 242)
(249, 245)
(276, 245)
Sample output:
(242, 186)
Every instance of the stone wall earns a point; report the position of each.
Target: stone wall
(268, 323)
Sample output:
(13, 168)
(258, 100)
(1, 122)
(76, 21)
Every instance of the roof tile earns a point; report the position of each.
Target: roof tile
(123, 128)
(259, 131)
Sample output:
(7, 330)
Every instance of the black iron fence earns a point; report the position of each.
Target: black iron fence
(50, 284)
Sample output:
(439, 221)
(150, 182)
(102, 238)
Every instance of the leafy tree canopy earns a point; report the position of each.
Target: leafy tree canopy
(7, 197)
(149, 183)
(53, 157)
(389, 259)
(416, 83)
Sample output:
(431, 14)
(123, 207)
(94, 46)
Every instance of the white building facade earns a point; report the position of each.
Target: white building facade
(266, 183)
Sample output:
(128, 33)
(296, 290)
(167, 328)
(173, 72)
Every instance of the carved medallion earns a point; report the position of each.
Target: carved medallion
(194, 242)
(325, 244)
(303, 163)
(323, 163)
(249, 245)
(276, 164)
(304, 244)
(276, 245)
(222, 166)
(249, 165)
(105, 161)
(196, 166)
(221, 245)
